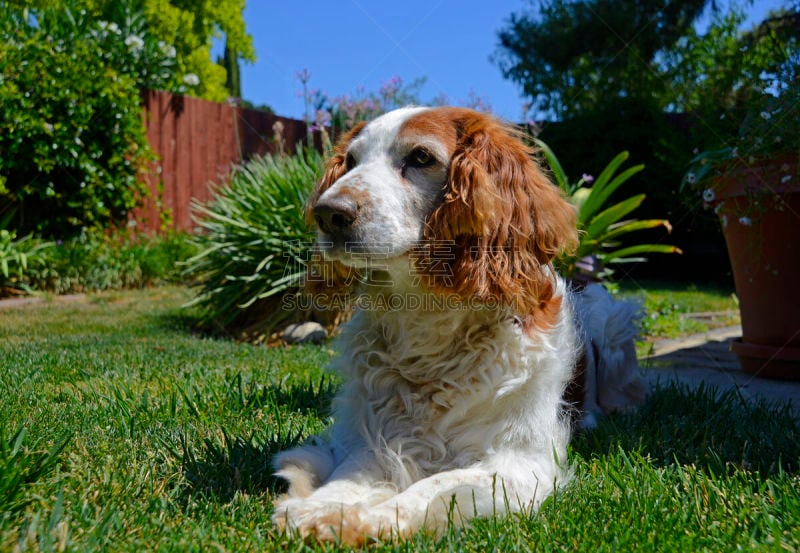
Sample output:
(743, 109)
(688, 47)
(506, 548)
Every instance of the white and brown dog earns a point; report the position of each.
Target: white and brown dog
(457, 360)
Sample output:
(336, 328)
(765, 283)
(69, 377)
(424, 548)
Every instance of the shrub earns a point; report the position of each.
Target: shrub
(254, 244)
(95, 261)
(71, 129)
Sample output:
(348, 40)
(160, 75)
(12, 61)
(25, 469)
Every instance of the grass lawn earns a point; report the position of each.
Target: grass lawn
(122, 431)
(678, 309)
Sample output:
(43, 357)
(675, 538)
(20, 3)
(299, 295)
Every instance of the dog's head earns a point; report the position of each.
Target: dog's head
(451, 194)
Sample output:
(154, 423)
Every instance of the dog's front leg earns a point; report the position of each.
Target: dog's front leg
(331, 510)
(430, 504)
(452, 496)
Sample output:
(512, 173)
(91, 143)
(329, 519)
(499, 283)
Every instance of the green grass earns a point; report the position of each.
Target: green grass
(123, 431)
(671, 310)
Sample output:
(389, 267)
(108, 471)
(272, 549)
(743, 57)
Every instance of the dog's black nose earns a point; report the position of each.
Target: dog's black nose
(336, 214)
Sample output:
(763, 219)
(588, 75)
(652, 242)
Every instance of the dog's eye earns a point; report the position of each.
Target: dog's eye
(420, 158)
(349, 161)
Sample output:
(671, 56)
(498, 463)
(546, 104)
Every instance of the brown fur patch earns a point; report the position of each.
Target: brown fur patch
(347, 527)
(361, 197)
(501, 220)
(545, 316)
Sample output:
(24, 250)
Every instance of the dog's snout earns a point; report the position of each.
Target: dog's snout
(336, 214)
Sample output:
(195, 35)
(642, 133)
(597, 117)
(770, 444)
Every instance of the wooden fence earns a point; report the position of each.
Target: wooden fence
(197, 143)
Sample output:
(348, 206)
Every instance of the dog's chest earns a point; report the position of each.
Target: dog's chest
(436, 403)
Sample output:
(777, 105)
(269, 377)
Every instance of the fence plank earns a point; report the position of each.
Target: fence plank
(197, 143)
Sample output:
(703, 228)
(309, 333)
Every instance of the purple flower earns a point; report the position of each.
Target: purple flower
(587, 178)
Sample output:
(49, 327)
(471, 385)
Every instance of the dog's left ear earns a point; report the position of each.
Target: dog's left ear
(502, 217)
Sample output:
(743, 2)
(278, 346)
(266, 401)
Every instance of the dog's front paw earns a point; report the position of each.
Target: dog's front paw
(347, 524)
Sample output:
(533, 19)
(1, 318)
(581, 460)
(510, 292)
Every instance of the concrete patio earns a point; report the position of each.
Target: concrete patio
(706, 358)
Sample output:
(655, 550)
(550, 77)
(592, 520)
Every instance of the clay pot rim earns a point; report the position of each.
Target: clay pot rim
(760, 351)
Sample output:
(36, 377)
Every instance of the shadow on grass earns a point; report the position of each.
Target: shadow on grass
(714, 431)
(226, 464)
(222, 467)
(188, 321)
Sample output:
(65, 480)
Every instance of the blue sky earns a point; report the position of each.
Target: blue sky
(347, 44)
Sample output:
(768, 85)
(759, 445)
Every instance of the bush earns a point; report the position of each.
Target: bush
(254, 244)
(71, 132)
(94, 262)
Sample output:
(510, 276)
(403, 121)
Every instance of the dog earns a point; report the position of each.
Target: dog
(442, 226)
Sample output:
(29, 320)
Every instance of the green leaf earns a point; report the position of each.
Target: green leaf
(555, 166)
(613, 214)
(638, 250)
(632, 226)
(602, 191)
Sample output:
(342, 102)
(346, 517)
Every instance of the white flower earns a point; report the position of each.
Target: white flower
(167, 49)
(134, 43)
(191, 79)
(113, 27)
(691, 178)
(746, 221)
(765, 115)
(724, 221)
(708, 195)
(785, 179)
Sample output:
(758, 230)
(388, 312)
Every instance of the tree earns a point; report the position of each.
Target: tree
(191, 26)
(573, 57)
(188, 26)
(230, 63)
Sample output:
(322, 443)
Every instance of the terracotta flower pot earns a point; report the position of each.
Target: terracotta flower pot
(763, 240)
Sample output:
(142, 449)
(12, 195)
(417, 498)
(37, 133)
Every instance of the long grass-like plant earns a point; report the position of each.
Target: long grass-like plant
(253, 244)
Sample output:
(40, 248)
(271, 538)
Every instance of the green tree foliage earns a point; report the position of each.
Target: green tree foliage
(189, 26)
(572, 57)
(576, 57)
(230, 63)
(644, 77)
(718, 75)
(72, 142)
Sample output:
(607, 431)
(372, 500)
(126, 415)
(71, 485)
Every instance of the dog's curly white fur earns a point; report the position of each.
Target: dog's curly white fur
(453, 410)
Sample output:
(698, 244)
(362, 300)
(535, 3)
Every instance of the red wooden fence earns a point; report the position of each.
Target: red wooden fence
(197, 143)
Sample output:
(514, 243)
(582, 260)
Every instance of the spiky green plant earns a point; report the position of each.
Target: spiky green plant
(253, 243)
(601, 226)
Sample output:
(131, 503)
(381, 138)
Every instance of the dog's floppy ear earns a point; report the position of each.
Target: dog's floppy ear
(504, 220)
(323, 276)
